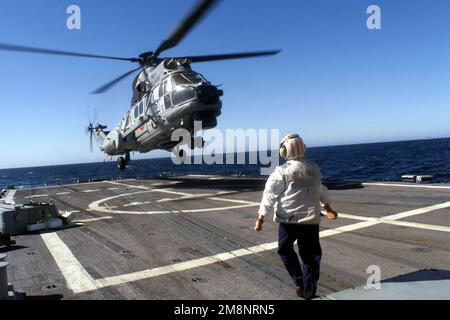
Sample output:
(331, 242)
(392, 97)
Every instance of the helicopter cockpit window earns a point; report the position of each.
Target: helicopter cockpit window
(178, 79)
(136, 112)
(141, 108)
(127, 121)
(156, 93)
(168, 86)
(161, 89)
(182, 96)
(193, 78)
(167, 101)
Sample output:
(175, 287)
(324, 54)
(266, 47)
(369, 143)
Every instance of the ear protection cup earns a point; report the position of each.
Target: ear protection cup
(283, 151)
(296, 147)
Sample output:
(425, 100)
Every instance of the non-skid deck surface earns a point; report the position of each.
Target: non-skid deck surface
(193, 238)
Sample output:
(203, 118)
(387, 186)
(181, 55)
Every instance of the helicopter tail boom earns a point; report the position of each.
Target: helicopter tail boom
(98, 131)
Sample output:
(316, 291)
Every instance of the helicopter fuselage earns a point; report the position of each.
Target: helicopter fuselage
(166, 96)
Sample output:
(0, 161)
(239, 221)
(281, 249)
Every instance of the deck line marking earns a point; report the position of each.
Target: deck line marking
(95, 206)
(415, 212)
(67, 214)
(9, 198)
(218, 208)
(128, 185)
(187, 195)
(353, 217)
(169, 191)
(72, 184)
(93, 219)
(417, 225)
(193, 197)
(404, 185)
(108, 207)
(137, 203)
(190, 197)
(348, 228)
(134, 212)
(397, 223)
(84, 281)
(36, 196)
(150, 273)
(235, 200)
(89, 191)
(62, 193)
(201, 262)
(77, 278)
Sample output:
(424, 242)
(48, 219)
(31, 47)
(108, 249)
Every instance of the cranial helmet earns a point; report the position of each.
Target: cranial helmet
(292, 147)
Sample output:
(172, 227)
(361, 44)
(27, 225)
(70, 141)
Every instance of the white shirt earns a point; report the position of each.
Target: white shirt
(294, 191)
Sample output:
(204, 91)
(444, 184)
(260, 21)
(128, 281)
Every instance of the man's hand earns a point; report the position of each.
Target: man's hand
(259, 223)
(331, 214)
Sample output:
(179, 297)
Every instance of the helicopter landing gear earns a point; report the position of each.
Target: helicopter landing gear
(122, 162)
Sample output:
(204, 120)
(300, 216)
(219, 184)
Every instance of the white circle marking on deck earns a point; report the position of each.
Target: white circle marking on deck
(96, 205)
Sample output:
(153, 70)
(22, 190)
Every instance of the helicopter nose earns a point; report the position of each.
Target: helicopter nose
(209, 94)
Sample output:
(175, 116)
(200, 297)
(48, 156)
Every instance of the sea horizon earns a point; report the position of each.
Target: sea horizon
(168, 157)
(366, 162)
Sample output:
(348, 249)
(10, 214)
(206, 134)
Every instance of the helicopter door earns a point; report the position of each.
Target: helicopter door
(138, 113)
(133, 116)
(167, 92)
(158, 102)
(126, 122)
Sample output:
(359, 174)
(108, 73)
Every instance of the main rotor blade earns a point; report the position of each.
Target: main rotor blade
(188, 23)
(231, 56)
(16, 48)
(112, 83)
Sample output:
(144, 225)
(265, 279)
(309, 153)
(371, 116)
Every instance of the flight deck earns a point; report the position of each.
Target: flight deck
(192, 237)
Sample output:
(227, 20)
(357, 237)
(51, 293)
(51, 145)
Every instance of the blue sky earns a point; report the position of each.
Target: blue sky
(336, 82)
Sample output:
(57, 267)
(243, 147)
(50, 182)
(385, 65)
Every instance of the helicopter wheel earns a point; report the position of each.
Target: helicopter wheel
(121, 163)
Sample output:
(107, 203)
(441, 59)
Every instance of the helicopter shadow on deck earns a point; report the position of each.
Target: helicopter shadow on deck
(343, 185)
(24, 296)
(421, 275)
(9, 248)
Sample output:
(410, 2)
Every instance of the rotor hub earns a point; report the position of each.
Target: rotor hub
(147, 57)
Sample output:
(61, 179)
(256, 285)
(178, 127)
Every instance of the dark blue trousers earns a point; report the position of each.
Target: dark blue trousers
(307, 237)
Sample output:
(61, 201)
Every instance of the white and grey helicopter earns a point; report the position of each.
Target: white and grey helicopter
(167, 94)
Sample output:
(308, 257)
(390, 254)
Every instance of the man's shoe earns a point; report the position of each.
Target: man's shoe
(311, 297)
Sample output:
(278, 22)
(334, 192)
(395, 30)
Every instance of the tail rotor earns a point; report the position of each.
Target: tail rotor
(91, 130)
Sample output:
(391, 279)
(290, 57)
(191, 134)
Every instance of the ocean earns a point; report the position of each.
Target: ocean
(386, 161)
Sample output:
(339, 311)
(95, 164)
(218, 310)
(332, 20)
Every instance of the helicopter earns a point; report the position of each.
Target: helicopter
(167, 94)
